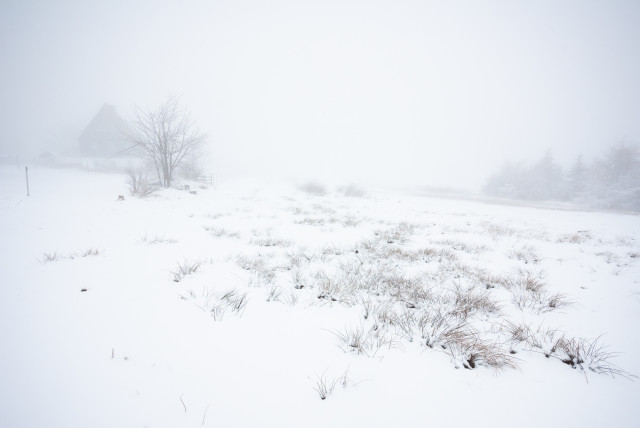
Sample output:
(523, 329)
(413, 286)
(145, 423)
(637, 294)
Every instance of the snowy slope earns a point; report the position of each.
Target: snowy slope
(139, 348)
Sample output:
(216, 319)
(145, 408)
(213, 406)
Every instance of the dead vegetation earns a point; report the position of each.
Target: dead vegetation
(526, 254)
(157, 239)
(461, 246)
(269, 241)
(364, 341)
(217, 303)
(49, 257)
(185, 268)
(497, 231)
(220, 232)
(576, 352)
(408, 289)
(575, 238)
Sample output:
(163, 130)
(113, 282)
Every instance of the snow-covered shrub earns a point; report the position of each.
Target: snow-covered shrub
(313, 188)
(352, 191)
(50, 257)
(139, 184)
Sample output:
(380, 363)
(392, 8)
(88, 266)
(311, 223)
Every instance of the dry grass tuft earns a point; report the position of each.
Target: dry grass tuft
(152, 240)
(50, 257)
(185, 268)
(526, 254)
(575, 238)
(218, 303)
(220, 232)
(269, 241)
(364, 341)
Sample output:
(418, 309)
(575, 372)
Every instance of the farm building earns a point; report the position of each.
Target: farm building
(105, 134)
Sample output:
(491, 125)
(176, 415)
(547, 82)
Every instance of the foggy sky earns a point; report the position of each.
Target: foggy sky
(403, 91)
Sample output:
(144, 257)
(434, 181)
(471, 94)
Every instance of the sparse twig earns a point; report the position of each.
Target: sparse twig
(205, 414)
(183, 405)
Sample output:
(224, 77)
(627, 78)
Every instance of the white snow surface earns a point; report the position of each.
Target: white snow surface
(137, 349)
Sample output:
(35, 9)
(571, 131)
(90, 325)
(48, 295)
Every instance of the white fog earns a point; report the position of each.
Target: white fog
(413, 92)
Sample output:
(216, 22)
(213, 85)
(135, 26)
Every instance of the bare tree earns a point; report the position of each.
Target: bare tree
(166, 137)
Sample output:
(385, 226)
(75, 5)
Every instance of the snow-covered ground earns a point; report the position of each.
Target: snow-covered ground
(237, 305)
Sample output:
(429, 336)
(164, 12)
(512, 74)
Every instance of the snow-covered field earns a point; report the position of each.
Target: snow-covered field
(238, 305)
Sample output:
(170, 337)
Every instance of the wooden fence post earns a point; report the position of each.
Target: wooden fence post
(26, 174)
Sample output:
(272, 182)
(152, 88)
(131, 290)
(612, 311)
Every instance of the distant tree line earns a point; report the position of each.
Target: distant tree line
(612, 181)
